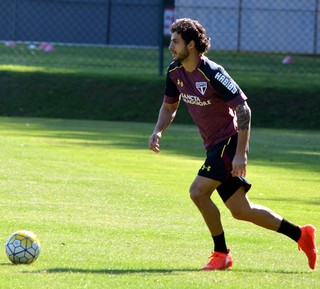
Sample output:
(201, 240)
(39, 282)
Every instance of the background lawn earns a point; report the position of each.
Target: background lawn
(123, 84)
(112, 214)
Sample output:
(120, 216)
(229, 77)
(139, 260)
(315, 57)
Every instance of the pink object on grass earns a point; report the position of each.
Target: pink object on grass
(46, 47)
(287, 60)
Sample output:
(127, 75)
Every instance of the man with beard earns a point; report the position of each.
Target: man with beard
(219, 108)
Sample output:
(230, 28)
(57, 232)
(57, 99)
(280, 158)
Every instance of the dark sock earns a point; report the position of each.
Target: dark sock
(290, 230)
(220, 244)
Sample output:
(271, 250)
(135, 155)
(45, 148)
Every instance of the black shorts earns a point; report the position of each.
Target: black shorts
(218, 166)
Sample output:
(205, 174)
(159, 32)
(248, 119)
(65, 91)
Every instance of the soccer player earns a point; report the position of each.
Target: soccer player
(219, 108)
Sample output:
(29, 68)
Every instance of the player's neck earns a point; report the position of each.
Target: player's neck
(191, 62)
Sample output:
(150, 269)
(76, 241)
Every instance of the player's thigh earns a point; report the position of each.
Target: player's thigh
(202, 186)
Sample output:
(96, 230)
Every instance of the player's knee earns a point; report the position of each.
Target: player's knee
(198, 197)
(194, 194)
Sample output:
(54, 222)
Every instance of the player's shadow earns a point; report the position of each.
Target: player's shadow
(157, 271)
(163, 271)
(120, 271)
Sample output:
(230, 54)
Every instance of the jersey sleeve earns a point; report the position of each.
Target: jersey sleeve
(171, 93)
(226, 87)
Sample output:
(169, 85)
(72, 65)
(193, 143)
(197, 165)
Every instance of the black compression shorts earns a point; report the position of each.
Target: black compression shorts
(218, 166)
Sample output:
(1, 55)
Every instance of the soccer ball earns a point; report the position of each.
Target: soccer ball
(22, 247)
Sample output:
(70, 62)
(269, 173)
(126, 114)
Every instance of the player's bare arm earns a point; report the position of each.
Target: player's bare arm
(166, 115)
(243, 116)
(239, 162)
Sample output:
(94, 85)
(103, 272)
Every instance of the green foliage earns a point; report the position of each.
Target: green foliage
(112, 214)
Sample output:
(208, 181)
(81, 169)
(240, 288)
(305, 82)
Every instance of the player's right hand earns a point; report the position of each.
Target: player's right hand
(154, 142)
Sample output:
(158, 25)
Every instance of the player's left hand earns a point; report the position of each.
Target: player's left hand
(154, 142)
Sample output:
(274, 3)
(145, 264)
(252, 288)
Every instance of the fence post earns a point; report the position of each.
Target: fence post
(109, 13)
(239, 25)
(161, 39)
(315, 37)
(14, 22)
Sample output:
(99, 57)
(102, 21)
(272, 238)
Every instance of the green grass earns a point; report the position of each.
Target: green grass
(81, 59)
(90, 59)
(112, 214)
(105, 83)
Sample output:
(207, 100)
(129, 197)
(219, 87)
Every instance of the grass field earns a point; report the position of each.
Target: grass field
(112, 214)
(108, 83)
(91, 59)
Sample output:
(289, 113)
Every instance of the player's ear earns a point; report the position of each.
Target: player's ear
(191, 44)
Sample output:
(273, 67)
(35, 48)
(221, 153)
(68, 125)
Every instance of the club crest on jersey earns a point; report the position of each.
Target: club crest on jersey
(202, 87)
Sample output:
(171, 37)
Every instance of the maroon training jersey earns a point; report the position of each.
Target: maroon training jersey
(210, 95)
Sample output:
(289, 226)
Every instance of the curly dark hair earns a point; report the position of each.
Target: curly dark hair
(189, 30)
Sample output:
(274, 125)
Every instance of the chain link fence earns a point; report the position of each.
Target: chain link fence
(130, 33)
(80, 34)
